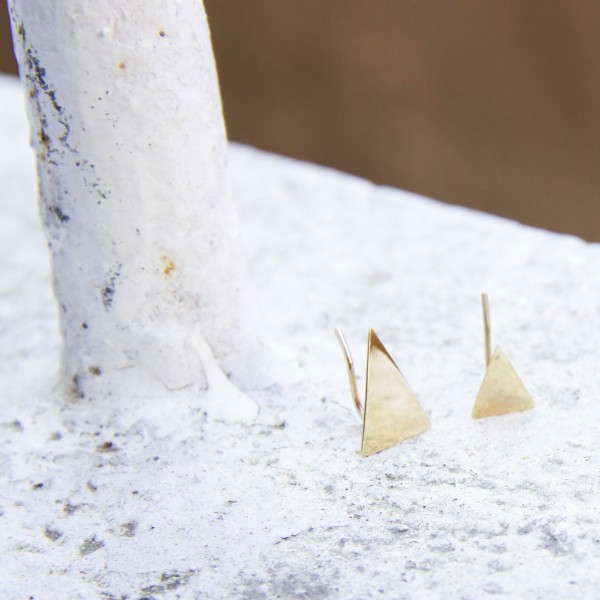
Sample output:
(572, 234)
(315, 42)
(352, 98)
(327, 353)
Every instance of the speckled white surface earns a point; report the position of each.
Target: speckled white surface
(140, 222)
(128, 500)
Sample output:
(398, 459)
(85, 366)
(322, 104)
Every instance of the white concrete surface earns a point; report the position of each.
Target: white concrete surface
(111, 499)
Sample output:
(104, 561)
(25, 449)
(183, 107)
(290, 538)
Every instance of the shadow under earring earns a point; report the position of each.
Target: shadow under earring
(391, 413)
(502, 390)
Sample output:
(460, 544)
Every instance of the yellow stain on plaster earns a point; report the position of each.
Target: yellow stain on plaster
(169, 265)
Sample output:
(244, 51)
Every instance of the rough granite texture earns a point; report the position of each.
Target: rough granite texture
(120, 499)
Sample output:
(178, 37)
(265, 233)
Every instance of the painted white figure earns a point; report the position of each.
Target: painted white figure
(127, 127)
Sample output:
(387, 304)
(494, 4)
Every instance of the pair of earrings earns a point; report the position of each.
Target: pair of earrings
(392, 413)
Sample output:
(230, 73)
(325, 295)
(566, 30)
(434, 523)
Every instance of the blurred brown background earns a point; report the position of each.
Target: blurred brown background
(493, 104)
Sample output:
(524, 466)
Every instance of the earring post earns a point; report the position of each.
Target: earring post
(351, 373)
(486, 328)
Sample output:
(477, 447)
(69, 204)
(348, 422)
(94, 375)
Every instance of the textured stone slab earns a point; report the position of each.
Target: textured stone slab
(106, 499)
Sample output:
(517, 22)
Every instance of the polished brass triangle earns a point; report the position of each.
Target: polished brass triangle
(502, 390)
(392, 412)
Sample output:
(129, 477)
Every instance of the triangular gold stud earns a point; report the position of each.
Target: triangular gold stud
(502, 390)
(392, 412)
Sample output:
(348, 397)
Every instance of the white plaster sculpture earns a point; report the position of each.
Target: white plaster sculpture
(126, 123)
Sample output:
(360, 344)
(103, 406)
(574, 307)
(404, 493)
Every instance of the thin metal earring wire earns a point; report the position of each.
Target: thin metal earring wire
(486, 328)
(351, 373)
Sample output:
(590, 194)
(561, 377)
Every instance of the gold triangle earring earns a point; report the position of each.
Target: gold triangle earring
(391, 413)
(502, 390)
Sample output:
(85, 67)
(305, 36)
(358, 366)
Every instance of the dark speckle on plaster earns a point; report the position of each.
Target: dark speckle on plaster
(61, 215)
(90, 545)
(556, 543)
(45, 99)
(69, 508)
(293, 535)
(15, 425)
(52, 534)
(76, 388)
(129, 529)
(169, 580)
(106, 447)
(108, 290)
